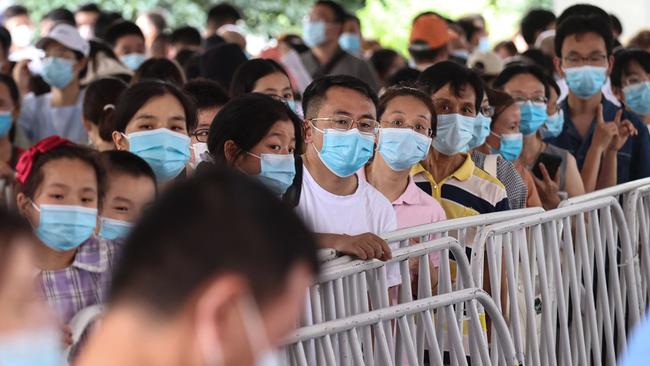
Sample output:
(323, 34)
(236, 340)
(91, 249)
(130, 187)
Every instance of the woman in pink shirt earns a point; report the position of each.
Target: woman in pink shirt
(407, 118)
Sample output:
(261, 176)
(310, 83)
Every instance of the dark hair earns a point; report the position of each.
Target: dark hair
(100, 101)
(535, 21)
(382, 60)
(206, 93)
(616, 23)
(406, 91)
(640, 40)
(14, 11)
(220, 62)
(89, 8)
(71, 151)
(127, 163)
(521, 69)
(250, 72)
(186, 35)
(509, 46)
(579, 25)
(457, 76)
(314, 96)
(120, 29)
(468, 24)
(622, 63)
(98, 47)
(13, 88)
(295, 42)
(5, 40)
(173, 252)
(160, 69)
(104, 22)
(340, 15)
(421, 52)
(138, 94)
(500, 101)
(405, 76)
(61, 15)
(539, 58)
(157, 19)
(246, 120)
(583, 10)
(553, 85)
(222, 13)
(12, 226)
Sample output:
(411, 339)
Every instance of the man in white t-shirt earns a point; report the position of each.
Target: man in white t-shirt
(340, 127)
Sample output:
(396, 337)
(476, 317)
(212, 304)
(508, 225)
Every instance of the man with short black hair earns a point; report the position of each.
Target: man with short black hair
(321, 32)
(428, 40)
(534, 23)
(340, 130)
(220, 15)
(54, 17)
(184, 38)
(127, 42)
(16, 19)
(604, 139)
(86, 16)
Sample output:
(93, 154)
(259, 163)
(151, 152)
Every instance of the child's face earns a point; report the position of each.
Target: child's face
(127, 196)
(69, 182)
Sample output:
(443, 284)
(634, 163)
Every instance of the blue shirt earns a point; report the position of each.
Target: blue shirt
(636, 148)
(40, 120)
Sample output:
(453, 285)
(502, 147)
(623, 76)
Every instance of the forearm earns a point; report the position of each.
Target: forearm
(327, 240)
(591, 168)
(608, 170)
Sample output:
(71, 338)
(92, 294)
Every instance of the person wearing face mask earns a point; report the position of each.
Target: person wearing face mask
(153, 120)
(266, 149)
(631, 82)
(19, 24)
(494, 164)
(86, 16)
(60, 187)
(9, 111)
(475, 33)
(428, 41)
(28, 331)
(351, 40)
(340, 129)
(240, 293)
(529, 86)
(457, 93)
(209, 97)
(59, 111)
(506, 140)
(610, 145)
(264, 76)
(130, 189)
(321, 32)
(99, 103)
(127, 41)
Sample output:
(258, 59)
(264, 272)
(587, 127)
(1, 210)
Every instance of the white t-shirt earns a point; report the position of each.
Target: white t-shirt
(366, 210)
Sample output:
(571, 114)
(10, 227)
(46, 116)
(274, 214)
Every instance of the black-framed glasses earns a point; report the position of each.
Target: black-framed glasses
(201, 134)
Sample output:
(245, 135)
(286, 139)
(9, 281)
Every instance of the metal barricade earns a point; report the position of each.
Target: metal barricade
(637, 213)
(408, 320)
(566, 267)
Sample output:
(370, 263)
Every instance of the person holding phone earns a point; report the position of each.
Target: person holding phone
(528, 85)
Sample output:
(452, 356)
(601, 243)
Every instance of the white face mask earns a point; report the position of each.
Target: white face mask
(200, 153)
(22, 35)
(86, 31)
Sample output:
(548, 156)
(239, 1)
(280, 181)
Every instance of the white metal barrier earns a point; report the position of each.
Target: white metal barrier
(637, 212)
(565, 266)
(376, 349)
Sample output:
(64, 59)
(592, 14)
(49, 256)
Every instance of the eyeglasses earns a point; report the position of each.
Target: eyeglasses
(201, 134)
(346, 123)
(417, 126)
(487, 111)
(537, 99)
(594, 60)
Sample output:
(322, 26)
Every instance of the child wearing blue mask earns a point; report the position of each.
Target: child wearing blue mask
(9, 110)
(631, 81)
(153, 120)
(259, 136)
(58, 112)
(130, 189)
(532, 88)
(60, 187)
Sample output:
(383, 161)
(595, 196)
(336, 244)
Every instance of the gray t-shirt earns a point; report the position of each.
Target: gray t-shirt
(344, 64)
(508, 175)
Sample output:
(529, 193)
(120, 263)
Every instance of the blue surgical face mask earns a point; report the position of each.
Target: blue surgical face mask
(511, 145)
(112, 229)
(65, 227)
(133, 60)
(637, 97)
(483, 44)
(553, 126)
(6, 121)
(37, 347)
(481, 130)
(314, 33)
(585, 81)
(345, 152)
(350, 43)
(166, 151)
(454, 133)
(401, 148)
(276, 171)
(533, 116)
(57, 72)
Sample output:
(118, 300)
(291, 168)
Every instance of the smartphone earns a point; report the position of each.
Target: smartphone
(552, 163)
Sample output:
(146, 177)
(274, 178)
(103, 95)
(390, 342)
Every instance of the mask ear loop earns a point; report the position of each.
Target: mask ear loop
(254, 327)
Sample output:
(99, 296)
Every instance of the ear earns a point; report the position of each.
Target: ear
(230, 151)
(308, 132)
(610, 64)
(557, 62)
(120, 141)
(24, 205)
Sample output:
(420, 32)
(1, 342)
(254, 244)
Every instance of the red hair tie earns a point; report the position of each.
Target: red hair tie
(24, 165)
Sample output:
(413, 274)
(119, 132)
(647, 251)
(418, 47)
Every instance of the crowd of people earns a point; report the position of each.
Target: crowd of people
(187, 185)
